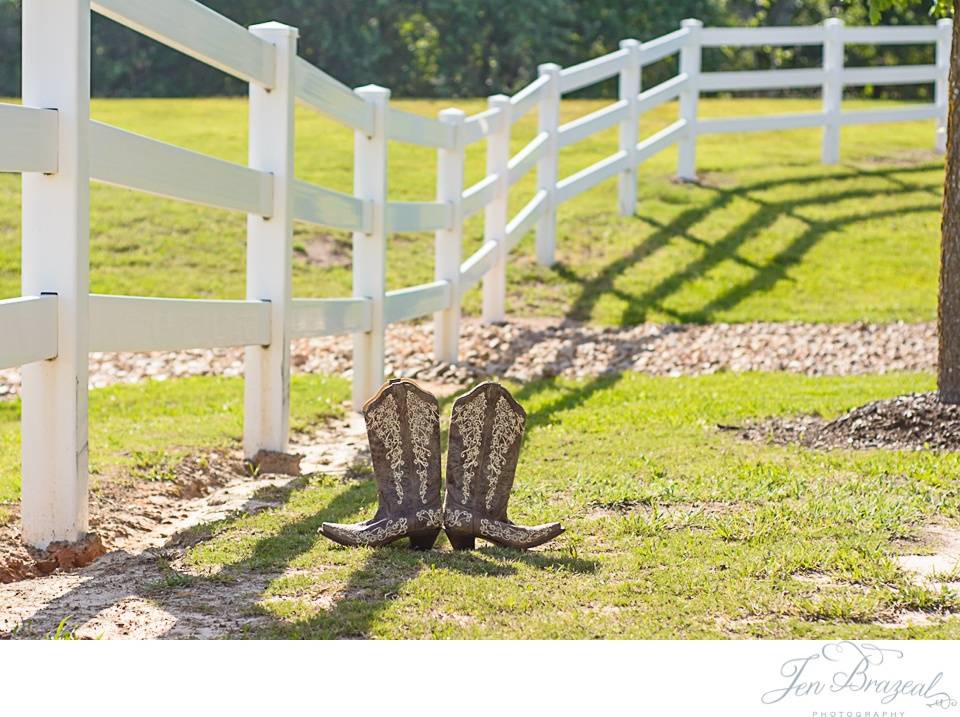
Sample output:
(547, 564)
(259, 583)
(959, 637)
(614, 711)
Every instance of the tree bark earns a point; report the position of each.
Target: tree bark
(948, 307)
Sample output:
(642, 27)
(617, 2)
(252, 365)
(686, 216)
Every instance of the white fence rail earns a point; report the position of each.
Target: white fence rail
(51, 140)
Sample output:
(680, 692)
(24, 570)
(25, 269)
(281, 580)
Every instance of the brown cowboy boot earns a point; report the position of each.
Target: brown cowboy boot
(485, 434)
(403, 428)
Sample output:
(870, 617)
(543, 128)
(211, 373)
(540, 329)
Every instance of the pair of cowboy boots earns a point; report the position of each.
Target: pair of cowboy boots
(403, 428)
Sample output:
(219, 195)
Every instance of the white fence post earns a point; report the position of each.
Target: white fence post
(495, 214)
(447, 249)
(56, 234)
(370, 250)
(266, 399)
(832, 89)
(942, 85)
(549, 117)
(629, 90)
(690, 57)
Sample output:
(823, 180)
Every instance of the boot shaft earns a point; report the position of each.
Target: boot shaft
(486, 430)
(403, 429)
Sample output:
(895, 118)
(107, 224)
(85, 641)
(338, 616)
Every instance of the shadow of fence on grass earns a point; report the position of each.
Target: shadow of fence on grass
(766, 274)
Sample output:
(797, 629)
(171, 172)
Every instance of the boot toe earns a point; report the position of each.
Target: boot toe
(341, 533)
(518, 536)
(373, 534)
(540, 534)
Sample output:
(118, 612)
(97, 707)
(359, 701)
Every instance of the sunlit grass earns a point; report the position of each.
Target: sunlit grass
(674, 528)
(770, 234)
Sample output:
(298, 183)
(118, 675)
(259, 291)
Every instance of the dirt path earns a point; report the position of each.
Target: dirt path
(118, 597)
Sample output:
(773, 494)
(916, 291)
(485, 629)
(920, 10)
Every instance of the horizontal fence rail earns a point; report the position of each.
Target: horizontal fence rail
(50, 140)
(132, 160)
(664, 46)
(479, 263)
(761, 124)
(760, 80)
(758, 36)
(588, 125)
(33, 321)
(197, 31)
(29, 139)
(583, 180)
(416, 301)
(408, 127)
(136, 323)
(482, 125)
(592, 71)
(328, 317)
(318, 205)
(418, 216)
(318, 90)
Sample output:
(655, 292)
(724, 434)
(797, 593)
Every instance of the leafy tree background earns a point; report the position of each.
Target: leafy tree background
(461, 48)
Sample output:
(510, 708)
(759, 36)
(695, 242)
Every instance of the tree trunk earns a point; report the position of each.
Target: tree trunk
(948, 309)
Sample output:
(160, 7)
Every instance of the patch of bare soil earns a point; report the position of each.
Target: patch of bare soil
(915, 421)
(140, 589)
(935, 569)
(940, 566)
(324, 250)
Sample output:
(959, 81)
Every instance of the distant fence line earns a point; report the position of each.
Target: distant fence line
(50, 140)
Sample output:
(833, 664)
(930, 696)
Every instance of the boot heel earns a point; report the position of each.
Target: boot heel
(424, 539)
(462, 541)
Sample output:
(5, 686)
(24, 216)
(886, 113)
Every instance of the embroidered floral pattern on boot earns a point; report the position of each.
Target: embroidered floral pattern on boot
(423, 418)
(384, 422)
(403, 428)
(486, 432)
(469, 421)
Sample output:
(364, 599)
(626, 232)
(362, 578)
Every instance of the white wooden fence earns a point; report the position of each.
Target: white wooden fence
(52, 142)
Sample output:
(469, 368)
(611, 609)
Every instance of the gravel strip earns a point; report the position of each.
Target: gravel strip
(526, 350)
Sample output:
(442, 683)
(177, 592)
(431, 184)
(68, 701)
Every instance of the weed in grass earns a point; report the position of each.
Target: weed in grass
(62, 632)
(171, 580)
(152, 465)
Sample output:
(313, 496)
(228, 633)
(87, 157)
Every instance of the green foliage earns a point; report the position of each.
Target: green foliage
(877, 8)
(451, 48)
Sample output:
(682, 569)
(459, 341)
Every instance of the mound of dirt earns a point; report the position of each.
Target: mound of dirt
(915, 421)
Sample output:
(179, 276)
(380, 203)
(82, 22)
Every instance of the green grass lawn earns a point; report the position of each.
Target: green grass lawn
(770, 234)
(674, 529)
